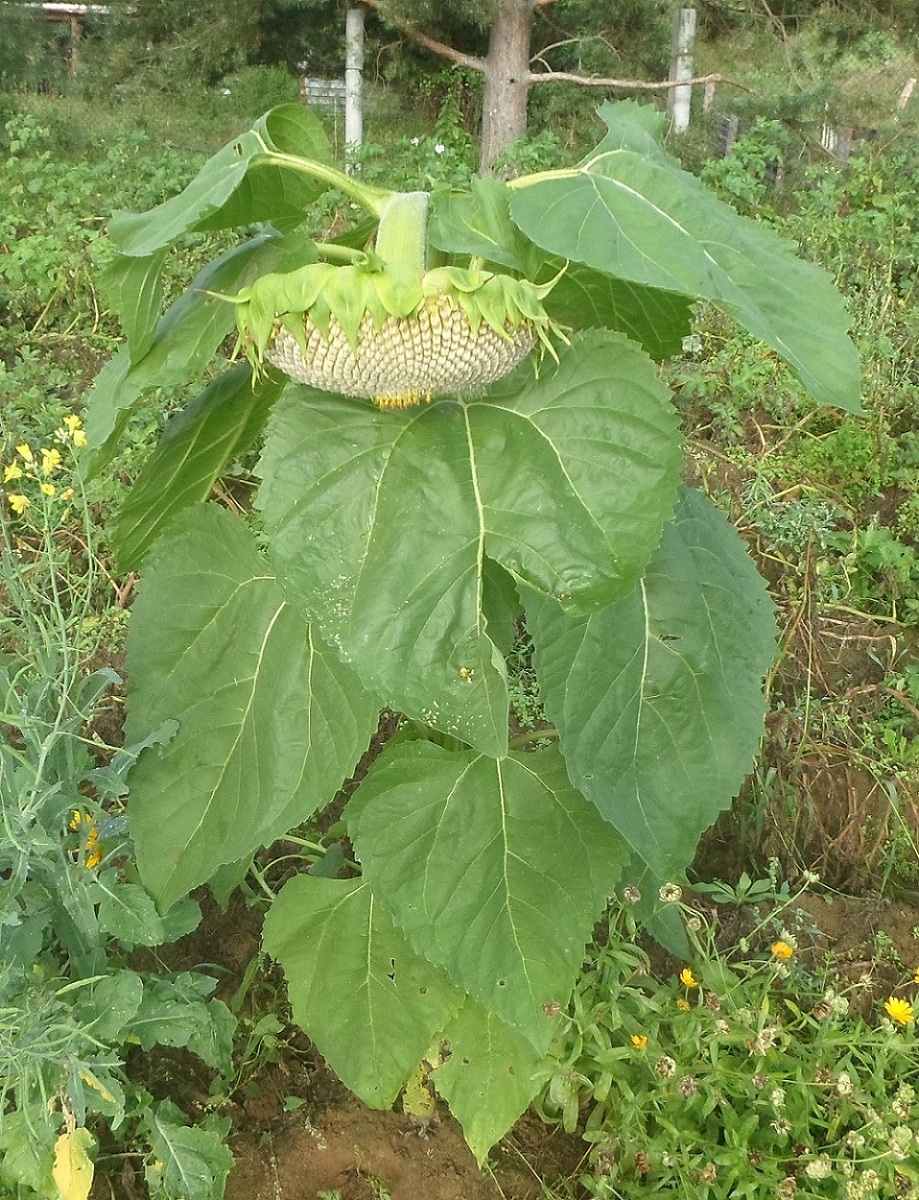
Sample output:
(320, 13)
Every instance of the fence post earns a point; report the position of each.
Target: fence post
(680, 98)
(354, 74)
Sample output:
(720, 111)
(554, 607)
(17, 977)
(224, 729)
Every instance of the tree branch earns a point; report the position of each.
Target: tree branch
(440, 48)
(629, 84)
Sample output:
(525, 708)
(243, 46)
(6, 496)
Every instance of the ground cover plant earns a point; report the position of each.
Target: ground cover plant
(752, 1071)
(402, 535)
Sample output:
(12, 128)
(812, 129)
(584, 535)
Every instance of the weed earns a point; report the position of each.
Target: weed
(741, 1075)
(70, 907)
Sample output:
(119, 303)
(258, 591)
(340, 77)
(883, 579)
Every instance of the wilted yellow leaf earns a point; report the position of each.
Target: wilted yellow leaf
(73, 1168)
(98, 1085)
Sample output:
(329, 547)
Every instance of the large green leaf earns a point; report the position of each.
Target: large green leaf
(195, 447)
(371, 1005)
(183, 344)
(381, 522)
(479, 223)
(191, 1163)
(239, 185)
(270, 721)
(185, 339)
(143, 233)
(587, 299)
(495, 869)
(133, 289)
(489, 1078)
(658, 698)
(630, 211)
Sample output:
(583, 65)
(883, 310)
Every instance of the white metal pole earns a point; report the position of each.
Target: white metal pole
(354, 74)
(684, 32)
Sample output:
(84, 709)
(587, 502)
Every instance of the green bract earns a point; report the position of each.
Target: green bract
(399, 552)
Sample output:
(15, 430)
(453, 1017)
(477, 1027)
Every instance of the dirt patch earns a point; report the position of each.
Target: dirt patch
(333, 1146)
(866, 934)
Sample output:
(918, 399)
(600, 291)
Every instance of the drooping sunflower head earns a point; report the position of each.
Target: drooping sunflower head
(391, 334)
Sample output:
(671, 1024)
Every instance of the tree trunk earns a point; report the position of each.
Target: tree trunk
(507, 72)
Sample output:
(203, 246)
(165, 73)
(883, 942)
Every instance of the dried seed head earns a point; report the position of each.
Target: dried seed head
(406, 360)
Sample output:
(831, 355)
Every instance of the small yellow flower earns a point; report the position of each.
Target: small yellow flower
(688, 979)
(898, 1010)
(50, 461)
(66, 494)
(73, 423)
(916, 975)
(782, 950)
(79, 438)
(13, 471)
(639, 1040)
(18, 503)
(49, 489)
(93, 848)
(682, 1005)
(25, 452)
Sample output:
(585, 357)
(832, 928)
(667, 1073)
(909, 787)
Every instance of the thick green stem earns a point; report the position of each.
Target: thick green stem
(371, 198)
(524, 181)
(403, 234)
(332, 252)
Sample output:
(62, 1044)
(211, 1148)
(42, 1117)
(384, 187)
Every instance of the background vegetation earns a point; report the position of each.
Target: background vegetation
(829, 505)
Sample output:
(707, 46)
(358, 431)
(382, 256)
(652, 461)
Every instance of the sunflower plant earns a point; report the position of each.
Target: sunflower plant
(462, 432)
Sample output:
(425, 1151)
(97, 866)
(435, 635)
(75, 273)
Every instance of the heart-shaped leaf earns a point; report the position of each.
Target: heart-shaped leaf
(270, 721)
(658, 698)
(370, 1004)
(495, 869)
(490, 1077)
(381, 522)
(239, 185)
(630, 211)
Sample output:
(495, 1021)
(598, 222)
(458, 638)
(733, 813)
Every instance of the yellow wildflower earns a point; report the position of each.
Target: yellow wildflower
(66, 494)
(18, 503)
(639, 1040)
(73, 423)
(13, 471)
(79, 437)
(93, 848)
(782, 950)
(898, 1010)
(688, 979)
(25, 452)
(916, 975)
(50, 460)
(682, 1005)
(48, 488)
